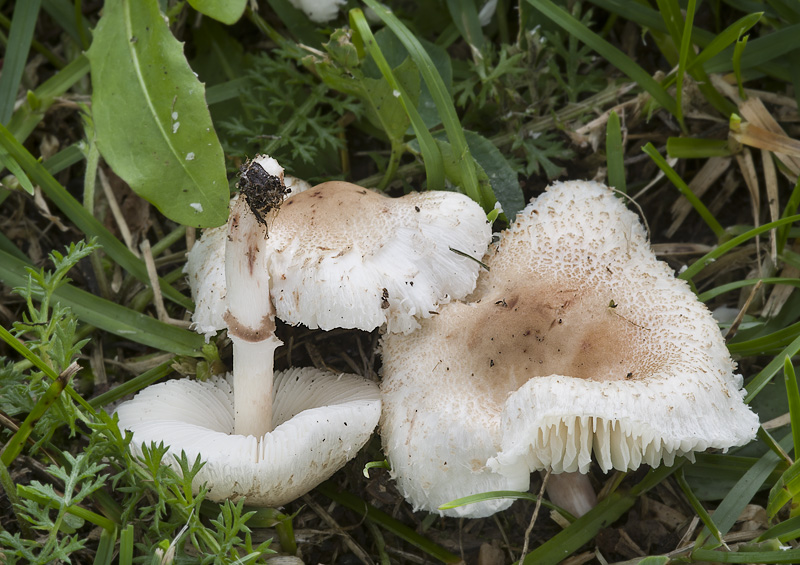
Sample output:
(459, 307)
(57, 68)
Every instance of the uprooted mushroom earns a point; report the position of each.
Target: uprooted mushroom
(335, 255)
(577, 342)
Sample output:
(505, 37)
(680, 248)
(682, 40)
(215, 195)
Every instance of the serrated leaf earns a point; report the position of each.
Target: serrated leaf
(225, 11)
(153, 125)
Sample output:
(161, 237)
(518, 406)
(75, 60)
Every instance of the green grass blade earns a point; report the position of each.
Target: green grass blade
(465, 18)
(16, 54)
(503, 494)
(785, 490)
(784, 531)
(81, 218)
(443, 100)
(765, 375)
(722, 289)
(697, 505)
(569, 540)
(126, 546)
(132, 386)
(742, 493)
(431, 155)
(675, 178)
(109, 316)
(712, 556)
(104, 555)
(65, 158)
(790, 209)
(684, 58)
(693, 148)
(356, 504)
(767, 343)
(793, 396)
(721, 250)
(31, 113)
(17, 171)
(14, 446)
(614, 56)
(63, 14)
(725, 38)
(738, 50)
(615, 153)
(768, 48)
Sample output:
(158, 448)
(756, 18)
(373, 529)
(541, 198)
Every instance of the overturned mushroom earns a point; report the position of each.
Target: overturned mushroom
(576, 342)
(320, 421)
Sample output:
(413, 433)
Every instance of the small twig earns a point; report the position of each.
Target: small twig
(119, 217)
(357, 550)
(158, 299)
(535, 515)
(740, 316)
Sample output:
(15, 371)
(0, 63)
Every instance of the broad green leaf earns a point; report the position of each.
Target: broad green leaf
(501, 176)
(225, 11)
(386, 109)
(395, 53)
(153, 125)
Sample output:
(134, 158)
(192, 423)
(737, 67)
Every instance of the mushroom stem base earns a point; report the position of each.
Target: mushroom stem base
(571, 491)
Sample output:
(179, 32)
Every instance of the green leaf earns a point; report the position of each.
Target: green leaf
(109, 316)
(784, 491)
(501, 176)
(465, 17)
(225, 11)
(675, 178)
(16, 54)
(153, 125)
(692, 148)
(615, 153)
(443, 100)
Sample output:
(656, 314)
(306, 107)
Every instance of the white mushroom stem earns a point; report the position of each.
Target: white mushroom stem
(251, 321)
(571, 491)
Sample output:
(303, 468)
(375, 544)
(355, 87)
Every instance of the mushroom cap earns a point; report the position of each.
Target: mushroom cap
(321, 421)
(346, 257)
(577, 341)
(205, 266)
(319, 11)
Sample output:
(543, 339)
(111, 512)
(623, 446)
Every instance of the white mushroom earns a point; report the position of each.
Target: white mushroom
(231, 427)
(342, 256)
(321, 421)
(576, 342)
